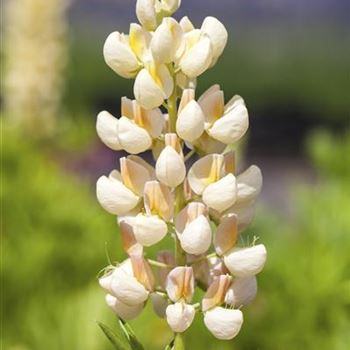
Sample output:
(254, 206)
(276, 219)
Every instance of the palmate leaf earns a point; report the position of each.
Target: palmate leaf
(118, 341)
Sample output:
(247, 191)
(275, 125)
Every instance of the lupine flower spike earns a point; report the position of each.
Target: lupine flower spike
(204, 207)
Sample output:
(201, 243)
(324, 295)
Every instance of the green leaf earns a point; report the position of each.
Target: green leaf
(133, 341)
(117, 341)
(179, 342)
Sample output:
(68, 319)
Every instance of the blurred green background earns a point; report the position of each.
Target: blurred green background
(288, 59)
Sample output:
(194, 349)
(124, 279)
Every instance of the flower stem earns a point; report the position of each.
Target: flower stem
(172, 111)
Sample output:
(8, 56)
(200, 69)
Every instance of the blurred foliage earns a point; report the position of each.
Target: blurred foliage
(53, 245)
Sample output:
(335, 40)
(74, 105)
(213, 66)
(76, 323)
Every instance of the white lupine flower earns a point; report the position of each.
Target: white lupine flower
(113, 196)
(169, 6)
(243, 262)
(223, 323)
(180, 284)
(193, 228)
(215, 294)
(170, 166)
(106, 127)
(167, 41)
(242, 291)
(180, 316)
(190, 121)
(217, 33)
(225, 123)
(124, 311)
(146, 13)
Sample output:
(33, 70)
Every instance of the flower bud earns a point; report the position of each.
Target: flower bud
(119, 55)
(152, 85)
(146, 13)
(167, 41)
(190, 122)
(249, 184)
(242, 291)
(218, 36)
(124, 311)
(133, 138)
(226, 234)
(158, 200)
(106, 127)
(149, 230)
(186, 24)
(180, 284)
(180, 316)
(170, 166)
(215, 295)
(170, 6)
(245, 262)
(198, 54)
(223, 323)
(221, 194)
(113, 196)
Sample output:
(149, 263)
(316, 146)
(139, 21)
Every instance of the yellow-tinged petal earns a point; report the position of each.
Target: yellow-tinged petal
(139, 41)
(143, 272)
(186, 24)
(146, 13)
(158, 200)
(129, 242)
(215, 295)
(206, 171)
(226, 234)
(180, 284)
(221, 194)
(106, 127)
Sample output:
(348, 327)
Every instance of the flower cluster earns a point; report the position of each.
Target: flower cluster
(205, 207)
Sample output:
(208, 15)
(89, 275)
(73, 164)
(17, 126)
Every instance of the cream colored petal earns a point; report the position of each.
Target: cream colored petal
(144, 164)
(226, 234)
(235, 101)
(180, 283)
(129, 242)
(154, 122)
(105, 281)
(180, 316)
(242, 291)
(222, 194)
(186, 97)
(149, 230)
(114, 197)
(191, 212)
(132, 138)
(124, 311)
(146, 13)
(142, 271)
(212, 104)
(217, 33)
(206, 145)
(157, 148)
(190, 122)
(184, 82)
(139, 41)
(134, 175)
(127, 107)
(127, 289)
(146, 91)
(245, 212)
(249, 184)
(170, 6)
(231, 127)
(119, 56)
(186, 24)
(224, 324)
(167, 40)
(205, 171)
(106, 127)
(197, 59)
(196, 238)
(170, 167)
(159, 303)
(245, 262)
(158, 200)
(215, 295)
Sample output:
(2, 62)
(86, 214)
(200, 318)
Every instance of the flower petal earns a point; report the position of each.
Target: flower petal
(129, 242)
(146, 13)
(180, 283)
(249, 184)
(124, 311)
(180, 316)
(226, 234)
(106, 127)
(215, 295)
(222, 194)
(245, 262)
(142, 271)
(149, 230)
(212, 104)
(242, 291)
(224, 324)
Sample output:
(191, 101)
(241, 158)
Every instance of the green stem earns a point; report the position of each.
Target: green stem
(158, 264)
(172, 111)
(179, 342)
(180, 254)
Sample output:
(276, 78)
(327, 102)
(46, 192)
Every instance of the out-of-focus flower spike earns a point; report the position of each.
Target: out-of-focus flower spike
(158, 200)
(143, 272)
(226, 234)
(180, 284)
(106, 127)
(129, 242)
(215, 295)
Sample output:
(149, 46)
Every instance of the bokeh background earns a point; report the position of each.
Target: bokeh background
(290, 62)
